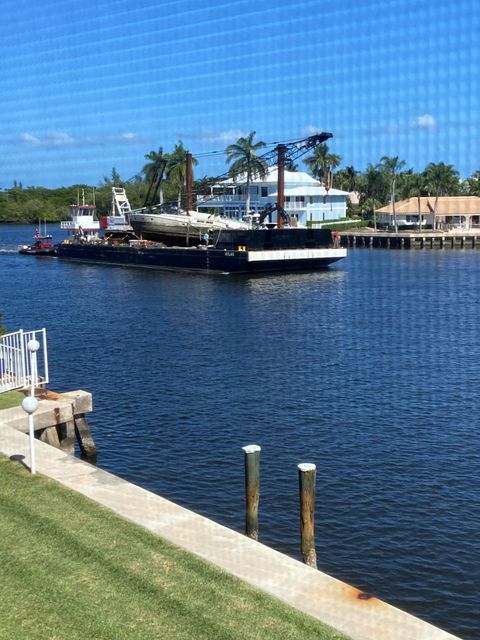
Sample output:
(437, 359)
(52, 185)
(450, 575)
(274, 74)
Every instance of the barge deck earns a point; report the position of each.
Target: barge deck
(251, 251)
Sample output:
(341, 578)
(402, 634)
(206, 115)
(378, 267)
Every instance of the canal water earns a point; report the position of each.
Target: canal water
(370, 370)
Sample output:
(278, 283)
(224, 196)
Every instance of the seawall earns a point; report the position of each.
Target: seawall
(357, 614)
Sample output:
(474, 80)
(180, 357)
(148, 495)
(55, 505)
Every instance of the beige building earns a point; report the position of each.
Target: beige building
(452, 212)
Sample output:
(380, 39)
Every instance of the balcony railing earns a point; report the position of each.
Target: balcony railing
(15, 367)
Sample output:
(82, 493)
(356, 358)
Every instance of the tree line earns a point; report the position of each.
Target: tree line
(389, 180)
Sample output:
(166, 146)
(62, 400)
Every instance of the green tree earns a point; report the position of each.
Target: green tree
(243, 155)
(410, 184)
(322, 163)
(392, 166)
(150, 170)
(441, 179)
(473, 184)
(346, 179)
(373, 190)
(290, 165)
(114, 180)
(177, 169)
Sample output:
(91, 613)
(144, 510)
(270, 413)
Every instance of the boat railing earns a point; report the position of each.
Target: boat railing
(15, 365)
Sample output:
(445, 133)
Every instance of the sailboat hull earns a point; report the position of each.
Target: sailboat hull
(178, 229)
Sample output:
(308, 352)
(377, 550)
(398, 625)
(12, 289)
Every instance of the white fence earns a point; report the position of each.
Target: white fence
(15, 369)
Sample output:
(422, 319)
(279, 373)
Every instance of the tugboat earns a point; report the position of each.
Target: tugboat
(83, 225)
(43, 245)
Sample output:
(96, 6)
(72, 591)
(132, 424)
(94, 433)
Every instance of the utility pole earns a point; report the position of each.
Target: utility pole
(280, 183)
(188, 181)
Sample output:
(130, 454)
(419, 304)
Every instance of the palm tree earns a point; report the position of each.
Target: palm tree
(177, 169)
(151, 168)
(473, 184)
(245, 161)
(346, 179)
(441, 179)
(290, 165)
(322, 163)
(374, 187)
(392, 165)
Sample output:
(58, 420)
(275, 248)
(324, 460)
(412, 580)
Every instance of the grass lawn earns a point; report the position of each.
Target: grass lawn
(11, 399)
(70, 569)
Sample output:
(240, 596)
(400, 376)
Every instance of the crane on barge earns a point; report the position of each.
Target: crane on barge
(279, 156)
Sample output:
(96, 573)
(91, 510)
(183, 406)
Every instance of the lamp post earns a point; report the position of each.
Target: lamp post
(30, 403)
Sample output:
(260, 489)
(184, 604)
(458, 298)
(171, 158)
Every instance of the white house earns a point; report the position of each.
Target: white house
(305, 198)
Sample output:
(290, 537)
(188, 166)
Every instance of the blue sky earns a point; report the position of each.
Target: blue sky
(94, 85)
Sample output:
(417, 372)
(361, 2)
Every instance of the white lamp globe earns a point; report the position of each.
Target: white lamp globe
(29, 404)
(33, 345)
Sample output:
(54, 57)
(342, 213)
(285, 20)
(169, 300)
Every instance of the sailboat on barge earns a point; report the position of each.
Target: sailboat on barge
(224, 250)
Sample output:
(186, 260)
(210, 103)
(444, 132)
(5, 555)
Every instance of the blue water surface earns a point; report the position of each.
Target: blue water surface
(370, 370)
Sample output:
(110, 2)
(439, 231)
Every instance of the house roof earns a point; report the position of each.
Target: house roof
(447, 205)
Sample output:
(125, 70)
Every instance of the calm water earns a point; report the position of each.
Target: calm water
(370, 370)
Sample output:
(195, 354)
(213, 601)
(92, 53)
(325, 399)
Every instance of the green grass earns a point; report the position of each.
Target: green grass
(11, 399)
(70, 569)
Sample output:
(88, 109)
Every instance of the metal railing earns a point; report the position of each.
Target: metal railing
(15, 366)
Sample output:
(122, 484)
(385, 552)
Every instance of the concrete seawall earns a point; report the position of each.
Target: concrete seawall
(358, 615)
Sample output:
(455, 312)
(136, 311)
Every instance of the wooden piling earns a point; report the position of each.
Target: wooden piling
(84, 437)
(307, 476)
(252, 489)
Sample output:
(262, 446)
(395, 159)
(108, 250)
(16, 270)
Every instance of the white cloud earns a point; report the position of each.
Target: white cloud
(425, 121)
(58, 139)
(55, 139)
(124, 138)
(27, 138)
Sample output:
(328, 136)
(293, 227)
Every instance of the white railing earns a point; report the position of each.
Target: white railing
(226, 197)
(15, 367)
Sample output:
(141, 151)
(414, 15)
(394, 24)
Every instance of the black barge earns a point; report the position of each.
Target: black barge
(232, 251)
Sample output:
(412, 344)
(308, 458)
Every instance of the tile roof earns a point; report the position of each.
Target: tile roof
(447, 206)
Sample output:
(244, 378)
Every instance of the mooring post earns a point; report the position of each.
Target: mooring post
(307, 476)
(252, 489)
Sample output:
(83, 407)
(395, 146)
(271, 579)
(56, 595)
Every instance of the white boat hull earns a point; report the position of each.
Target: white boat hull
(184, 229)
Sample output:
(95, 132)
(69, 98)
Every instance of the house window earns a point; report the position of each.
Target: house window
(264, 192)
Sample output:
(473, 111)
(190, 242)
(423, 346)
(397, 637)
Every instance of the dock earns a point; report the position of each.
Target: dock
(370, 239)
(58, 421)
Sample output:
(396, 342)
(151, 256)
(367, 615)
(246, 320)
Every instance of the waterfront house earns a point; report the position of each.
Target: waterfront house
(305, 198)
(461, 212)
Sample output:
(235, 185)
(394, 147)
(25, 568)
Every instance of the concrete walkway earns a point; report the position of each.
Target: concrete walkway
(343, 607)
